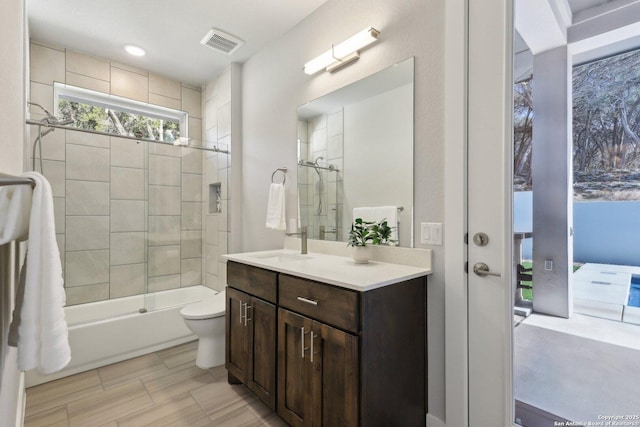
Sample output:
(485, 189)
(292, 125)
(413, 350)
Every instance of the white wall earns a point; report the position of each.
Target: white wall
(274, 86)
(12, 116)
(386, 142)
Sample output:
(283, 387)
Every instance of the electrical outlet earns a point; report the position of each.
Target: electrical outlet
(431, 233)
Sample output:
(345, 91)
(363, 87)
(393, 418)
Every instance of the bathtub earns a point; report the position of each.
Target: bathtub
(105, 332)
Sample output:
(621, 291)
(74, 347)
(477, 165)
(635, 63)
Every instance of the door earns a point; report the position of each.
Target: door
(318, 373)
(237, 347)
(489, 139)
(261, 325)
(251, 343)
(334, 359)
(294, 385)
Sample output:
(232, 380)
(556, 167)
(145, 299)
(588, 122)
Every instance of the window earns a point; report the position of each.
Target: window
(111, 114)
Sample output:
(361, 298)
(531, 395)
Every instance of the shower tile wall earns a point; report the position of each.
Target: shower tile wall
(322, 136)
(129, 216)
(217, 169)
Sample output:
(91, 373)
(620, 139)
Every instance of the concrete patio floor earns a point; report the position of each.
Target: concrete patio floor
(576, 369)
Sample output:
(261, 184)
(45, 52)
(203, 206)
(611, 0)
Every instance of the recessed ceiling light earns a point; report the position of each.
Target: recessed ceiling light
(135, 50)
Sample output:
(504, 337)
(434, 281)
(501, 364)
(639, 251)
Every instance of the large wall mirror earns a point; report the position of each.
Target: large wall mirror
(355, 153)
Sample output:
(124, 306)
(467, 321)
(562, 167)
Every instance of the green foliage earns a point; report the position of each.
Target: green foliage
(377, 233)
(606, 126)
(100, 119)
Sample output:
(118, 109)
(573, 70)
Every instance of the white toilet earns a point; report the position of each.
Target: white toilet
(206, 319)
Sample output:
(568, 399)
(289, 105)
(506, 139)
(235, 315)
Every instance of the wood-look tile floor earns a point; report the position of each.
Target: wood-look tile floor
(164, 388)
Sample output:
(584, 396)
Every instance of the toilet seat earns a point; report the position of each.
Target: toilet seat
(205, 309)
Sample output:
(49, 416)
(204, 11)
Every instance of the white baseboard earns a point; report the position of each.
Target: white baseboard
(434, 421)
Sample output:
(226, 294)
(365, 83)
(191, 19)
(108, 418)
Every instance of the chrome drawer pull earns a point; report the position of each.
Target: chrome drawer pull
(308, 301)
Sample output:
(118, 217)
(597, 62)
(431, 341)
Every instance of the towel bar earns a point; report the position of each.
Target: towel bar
(284, 174)
(14, 180)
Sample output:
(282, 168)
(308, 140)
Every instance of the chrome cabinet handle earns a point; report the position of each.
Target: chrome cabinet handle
(241, 311)
(312, 338)
(302, 334)
(246, 313)
(308, 301)
(482, 269)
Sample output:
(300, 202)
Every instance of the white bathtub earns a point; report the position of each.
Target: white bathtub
(105, 332)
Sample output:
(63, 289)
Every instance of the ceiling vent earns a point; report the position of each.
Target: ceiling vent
(221, 41)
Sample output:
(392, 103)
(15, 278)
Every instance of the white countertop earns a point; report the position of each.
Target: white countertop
(335, 270)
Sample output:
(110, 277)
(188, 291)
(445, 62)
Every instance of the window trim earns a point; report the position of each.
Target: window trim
(104, 100)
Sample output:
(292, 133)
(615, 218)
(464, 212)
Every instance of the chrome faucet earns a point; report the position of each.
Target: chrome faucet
(303, 236)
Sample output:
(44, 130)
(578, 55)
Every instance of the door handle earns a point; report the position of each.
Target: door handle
(482, 269)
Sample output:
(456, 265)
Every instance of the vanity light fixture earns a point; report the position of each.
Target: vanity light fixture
(135, 50)
(342, 54)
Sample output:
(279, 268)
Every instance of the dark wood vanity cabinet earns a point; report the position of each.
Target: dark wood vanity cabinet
(317, 373)
(251, 341)
(344, 358)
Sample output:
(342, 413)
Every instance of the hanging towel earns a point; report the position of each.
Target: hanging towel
(377, 214)
(15, 207)
(43, 341)
(276, 215)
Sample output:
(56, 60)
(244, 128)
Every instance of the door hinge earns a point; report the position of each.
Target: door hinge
(466, 238)
(466, 267)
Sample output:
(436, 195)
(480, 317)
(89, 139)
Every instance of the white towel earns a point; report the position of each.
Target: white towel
(43, 341)
(377, 214)
(276, 211)
(15, 206)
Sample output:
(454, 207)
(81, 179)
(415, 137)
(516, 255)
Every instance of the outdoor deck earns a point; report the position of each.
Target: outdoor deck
(586, 367)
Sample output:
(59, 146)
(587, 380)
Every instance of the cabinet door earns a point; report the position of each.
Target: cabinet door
(335, 377)
(262, 350)
(294, 369)
(237, 345)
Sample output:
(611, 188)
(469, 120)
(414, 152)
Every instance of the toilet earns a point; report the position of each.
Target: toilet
(206, 319)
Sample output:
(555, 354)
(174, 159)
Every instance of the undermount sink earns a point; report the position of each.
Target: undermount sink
(281, 257)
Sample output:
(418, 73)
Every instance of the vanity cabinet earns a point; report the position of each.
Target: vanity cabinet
(251, 331)
(318, 373)
(344, 357)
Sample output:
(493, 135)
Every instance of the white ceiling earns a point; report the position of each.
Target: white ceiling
(593, 28)
(169, 30)
(581, 5)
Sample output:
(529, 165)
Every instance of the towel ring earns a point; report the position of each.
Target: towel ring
(284, 174)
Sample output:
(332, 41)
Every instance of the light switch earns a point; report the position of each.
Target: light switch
(425, 233)
(548, 264)
(431, 233)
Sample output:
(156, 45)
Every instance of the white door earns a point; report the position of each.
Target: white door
(490, 312)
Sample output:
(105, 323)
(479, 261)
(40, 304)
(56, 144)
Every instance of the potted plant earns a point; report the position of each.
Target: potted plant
(363, 232)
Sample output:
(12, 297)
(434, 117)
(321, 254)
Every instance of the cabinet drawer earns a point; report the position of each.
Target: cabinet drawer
(253, 280)
(329, 304)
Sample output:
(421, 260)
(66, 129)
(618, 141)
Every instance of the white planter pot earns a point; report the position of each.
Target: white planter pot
(361, 254)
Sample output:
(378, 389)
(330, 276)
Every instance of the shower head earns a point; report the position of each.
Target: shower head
(51, 119)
